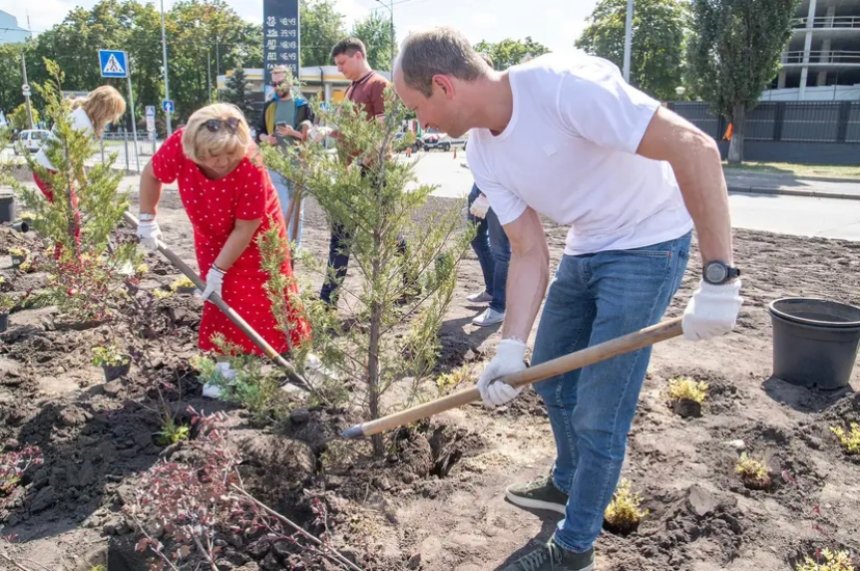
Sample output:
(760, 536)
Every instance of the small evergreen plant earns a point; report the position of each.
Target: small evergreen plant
(848, 439)
(395, 306)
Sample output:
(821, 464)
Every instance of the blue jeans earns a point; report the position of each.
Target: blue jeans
(493, 250)
(594, 298)
(285, 195)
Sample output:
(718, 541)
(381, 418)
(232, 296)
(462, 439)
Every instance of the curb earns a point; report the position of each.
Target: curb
(793, 192)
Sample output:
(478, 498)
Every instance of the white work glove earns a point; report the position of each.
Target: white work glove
(149, 234)
(713, 310)
(480, 206)
(509, 359)
(214, 282)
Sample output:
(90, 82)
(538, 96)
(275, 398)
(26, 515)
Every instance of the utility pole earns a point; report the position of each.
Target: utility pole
(628, 40)
(164, 64)
(26, 88)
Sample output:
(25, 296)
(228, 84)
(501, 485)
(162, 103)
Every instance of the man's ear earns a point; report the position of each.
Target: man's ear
(444, 84)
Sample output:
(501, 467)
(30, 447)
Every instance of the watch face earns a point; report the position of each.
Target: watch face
(716, 273)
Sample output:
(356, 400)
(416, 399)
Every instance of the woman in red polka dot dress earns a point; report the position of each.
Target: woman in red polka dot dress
(230, 201)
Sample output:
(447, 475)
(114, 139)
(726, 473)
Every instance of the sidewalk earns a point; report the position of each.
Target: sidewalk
(741, 181)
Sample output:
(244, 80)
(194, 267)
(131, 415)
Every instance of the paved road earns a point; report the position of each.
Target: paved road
(765, 210)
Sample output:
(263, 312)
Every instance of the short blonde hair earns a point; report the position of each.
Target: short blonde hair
(102, 105)
(199, 143)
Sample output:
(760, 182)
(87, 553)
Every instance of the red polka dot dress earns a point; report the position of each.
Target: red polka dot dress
(213, 206)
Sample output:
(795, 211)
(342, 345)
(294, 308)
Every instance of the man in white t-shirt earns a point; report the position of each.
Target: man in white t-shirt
(566, 137)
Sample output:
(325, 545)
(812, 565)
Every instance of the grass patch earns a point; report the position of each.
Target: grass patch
(848, 172)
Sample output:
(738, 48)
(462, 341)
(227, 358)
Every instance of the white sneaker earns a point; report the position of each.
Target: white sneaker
(482, 297)
(489, 317)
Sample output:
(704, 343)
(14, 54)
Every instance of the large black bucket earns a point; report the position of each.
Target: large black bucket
(7, 207)
(815, 341)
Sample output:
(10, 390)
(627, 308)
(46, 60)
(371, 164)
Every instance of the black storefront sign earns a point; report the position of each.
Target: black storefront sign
(281, 36)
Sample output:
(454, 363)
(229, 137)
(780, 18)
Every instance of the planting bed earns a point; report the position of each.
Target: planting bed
(436, 500)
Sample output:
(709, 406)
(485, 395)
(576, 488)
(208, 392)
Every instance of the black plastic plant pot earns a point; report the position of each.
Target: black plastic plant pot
(186, 289)
(7, 208)
(18, 260)
(687, 408)
(815, 341)
(4, 322)
(113, 372)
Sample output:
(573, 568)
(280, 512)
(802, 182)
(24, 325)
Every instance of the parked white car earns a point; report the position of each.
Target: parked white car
(31, 140)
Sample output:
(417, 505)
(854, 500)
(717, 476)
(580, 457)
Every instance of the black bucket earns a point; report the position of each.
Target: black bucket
(815, 341)
(7, 208)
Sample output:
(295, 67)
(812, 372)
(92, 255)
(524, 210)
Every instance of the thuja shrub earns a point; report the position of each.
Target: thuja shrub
(395, 305)
(86, 263)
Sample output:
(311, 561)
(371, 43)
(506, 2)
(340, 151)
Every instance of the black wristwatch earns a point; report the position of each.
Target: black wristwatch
(718, 273)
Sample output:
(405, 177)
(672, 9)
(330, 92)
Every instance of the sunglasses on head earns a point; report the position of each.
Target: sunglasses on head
(214, 125)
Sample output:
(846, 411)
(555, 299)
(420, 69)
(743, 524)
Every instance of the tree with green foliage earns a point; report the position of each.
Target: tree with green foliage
(12, 77)
(510, 52)
(734, 53)
(660, 28)
(322, 28)
(19, 119)
(397, 301)
(375, 32)
(237, 92)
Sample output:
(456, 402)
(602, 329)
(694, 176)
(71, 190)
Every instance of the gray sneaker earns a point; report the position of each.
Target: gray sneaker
(551, 557)
(480, 297)
(489, 317)
(538, 495)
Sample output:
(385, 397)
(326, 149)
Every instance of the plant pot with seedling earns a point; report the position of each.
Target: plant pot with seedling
(114, 363)
(686, 396)
(19, 256)
(753, 473)
(183, 285)
(624, 513)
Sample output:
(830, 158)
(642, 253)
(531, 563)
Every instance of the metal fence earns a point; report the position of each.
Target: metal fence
(802, 121)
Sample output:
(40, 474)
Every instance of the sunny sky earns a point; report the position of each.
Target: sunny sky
(554, 23)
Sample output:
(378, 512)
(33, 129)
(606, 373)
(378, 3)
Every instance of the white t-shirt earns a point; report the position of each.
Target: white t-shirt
(568, 152)
(80, 122)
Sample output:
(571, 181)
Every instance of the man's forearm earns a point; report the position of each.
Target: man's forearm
(528, 275)
(703, 187)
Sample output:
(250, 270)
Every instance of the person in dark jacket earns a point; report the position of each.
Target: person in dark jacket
(286, 121)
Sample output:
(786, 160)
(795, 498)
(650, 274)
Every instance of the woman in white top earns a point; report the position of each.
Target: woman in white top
(90, 114)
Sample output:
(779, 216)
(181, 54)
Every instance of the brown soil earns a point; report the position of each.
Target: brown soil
(436, 501)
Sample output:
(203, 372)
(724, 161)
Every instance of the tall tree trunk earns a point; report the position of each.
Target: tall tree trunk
(736, 146)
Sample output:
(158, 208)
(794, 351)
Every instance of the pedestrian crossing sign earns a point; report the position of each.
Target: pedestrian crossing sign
(113, 63)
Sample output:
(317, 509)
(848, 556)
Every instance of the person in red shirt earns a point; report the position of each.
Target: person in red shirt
(366, 91)
(230, 202)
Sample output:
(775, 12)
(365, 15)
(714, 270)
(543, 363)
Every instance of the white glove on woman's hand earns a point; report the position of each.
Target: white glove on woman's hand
(509, 359)
(149, 234)
(214, 281)
(713, 310)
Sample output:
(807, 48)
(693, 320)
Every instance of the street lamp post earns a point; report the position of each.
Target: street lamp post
(164, 65)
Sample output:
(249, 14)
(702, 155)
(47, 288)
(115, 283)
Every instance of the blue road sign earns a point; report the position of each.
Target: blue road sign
(113, 63)
(167, 105)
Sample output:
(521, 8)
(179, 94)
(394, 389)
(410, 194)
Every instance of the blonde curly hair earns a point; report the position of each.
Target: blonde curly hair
(200, 143)
(102, 105)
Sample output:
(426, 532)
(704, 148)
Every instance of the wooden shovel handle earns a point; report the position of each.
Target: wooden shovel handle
(237, 319)
(570, 362)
